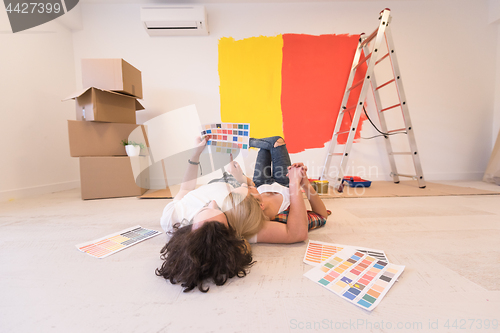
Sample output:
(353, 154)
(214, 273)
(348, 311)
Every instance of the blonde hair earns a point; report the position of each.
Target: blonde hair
(243, 214)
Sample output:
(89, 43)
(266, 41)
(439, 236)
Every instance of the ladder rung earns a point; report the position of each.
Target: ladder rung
(356, 84)
(332, 180)
(390, 81)
(368, 39)
(402, 153)
(331, 154)
(348, 109)
(402, 175)
(362, 61)
(382, 58)
(390, 107)
(341, 132)
(397, 130)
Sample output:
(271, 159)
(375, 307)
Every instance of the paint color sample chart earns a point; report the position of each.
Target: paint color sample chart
(227, 137)
(103, 247)
(356, 277)
(317, 252)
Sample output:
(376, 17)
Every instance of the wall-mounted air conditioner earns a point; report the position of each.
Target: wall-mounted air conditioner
(174, 20)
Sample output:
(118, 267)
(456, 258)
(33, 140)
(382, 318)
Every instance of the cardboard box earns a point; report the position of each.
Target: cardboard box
(112, 177)
(94, 104)
(90, 138)
(112, 74)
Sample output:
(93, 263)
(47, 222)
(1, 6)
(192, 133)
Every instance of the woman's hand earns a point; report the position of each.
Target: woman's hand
(235, 169)
(298, 165)
(304, 183)
(315, 201)
(200, 145)
(295, 174)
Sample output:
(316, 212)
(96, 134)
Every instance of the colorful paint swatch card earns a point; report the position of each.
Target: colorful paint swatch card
(227, 137)
(317, 252)
(356, 277)
(103, 247)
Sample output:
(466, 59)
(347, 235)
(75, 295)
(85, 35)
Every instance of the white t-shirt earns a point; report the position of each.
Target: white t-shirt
(182, 211)
(278, 188)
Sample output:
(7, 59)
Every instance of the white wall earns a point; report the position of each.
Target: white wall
(36, 72)
(494, 19)
(445, 54)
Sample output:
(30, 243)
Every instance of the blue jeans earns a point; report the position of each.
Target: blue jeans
(272, 162)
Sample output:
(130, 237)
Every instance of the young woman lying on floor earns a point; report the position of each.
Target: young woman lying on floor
(213, 247)
(277, 188)
(201, 245)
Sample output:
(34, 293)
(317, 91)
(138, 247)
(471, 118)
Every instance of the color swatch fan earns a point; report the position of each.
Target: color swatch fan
(227, 138)
(106, 246)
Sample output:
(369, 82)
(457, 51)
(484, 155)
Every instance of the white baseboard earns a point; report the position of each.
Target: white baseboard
(454, 176)
(37, 190)
(434, 176)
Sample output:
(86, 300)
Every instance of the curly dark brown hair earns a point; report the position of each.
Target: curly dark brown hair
(213, 251)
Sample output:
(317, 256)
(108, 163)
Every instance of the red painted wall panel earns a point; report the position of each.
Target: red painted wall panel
(315, 70)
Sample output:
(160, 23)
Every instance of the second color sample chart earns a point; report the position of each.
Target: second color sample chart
(317, 252)
(356, 277)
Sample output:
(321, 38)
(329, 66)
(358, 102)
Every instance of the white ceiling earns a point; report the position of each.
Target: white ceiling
(201, 2)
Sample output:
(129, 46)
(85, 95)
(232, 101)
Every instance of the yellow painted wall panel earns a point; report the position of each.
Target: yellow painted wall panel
(250, 83)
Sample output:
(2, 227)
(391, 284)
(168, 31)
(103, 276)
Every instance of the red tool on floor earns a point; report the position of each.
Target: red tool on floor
(355, 181)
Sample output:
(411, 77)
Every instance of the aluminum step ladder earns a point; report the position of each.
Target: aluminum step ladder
(370, 48)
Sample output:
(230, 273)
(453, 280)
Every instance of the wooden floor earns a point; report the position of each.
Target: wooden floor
(449, 245)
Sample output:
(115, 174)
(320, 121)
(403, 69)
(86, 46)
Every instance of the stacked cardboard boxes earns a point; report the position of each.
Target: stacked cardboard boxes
(105, 113)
